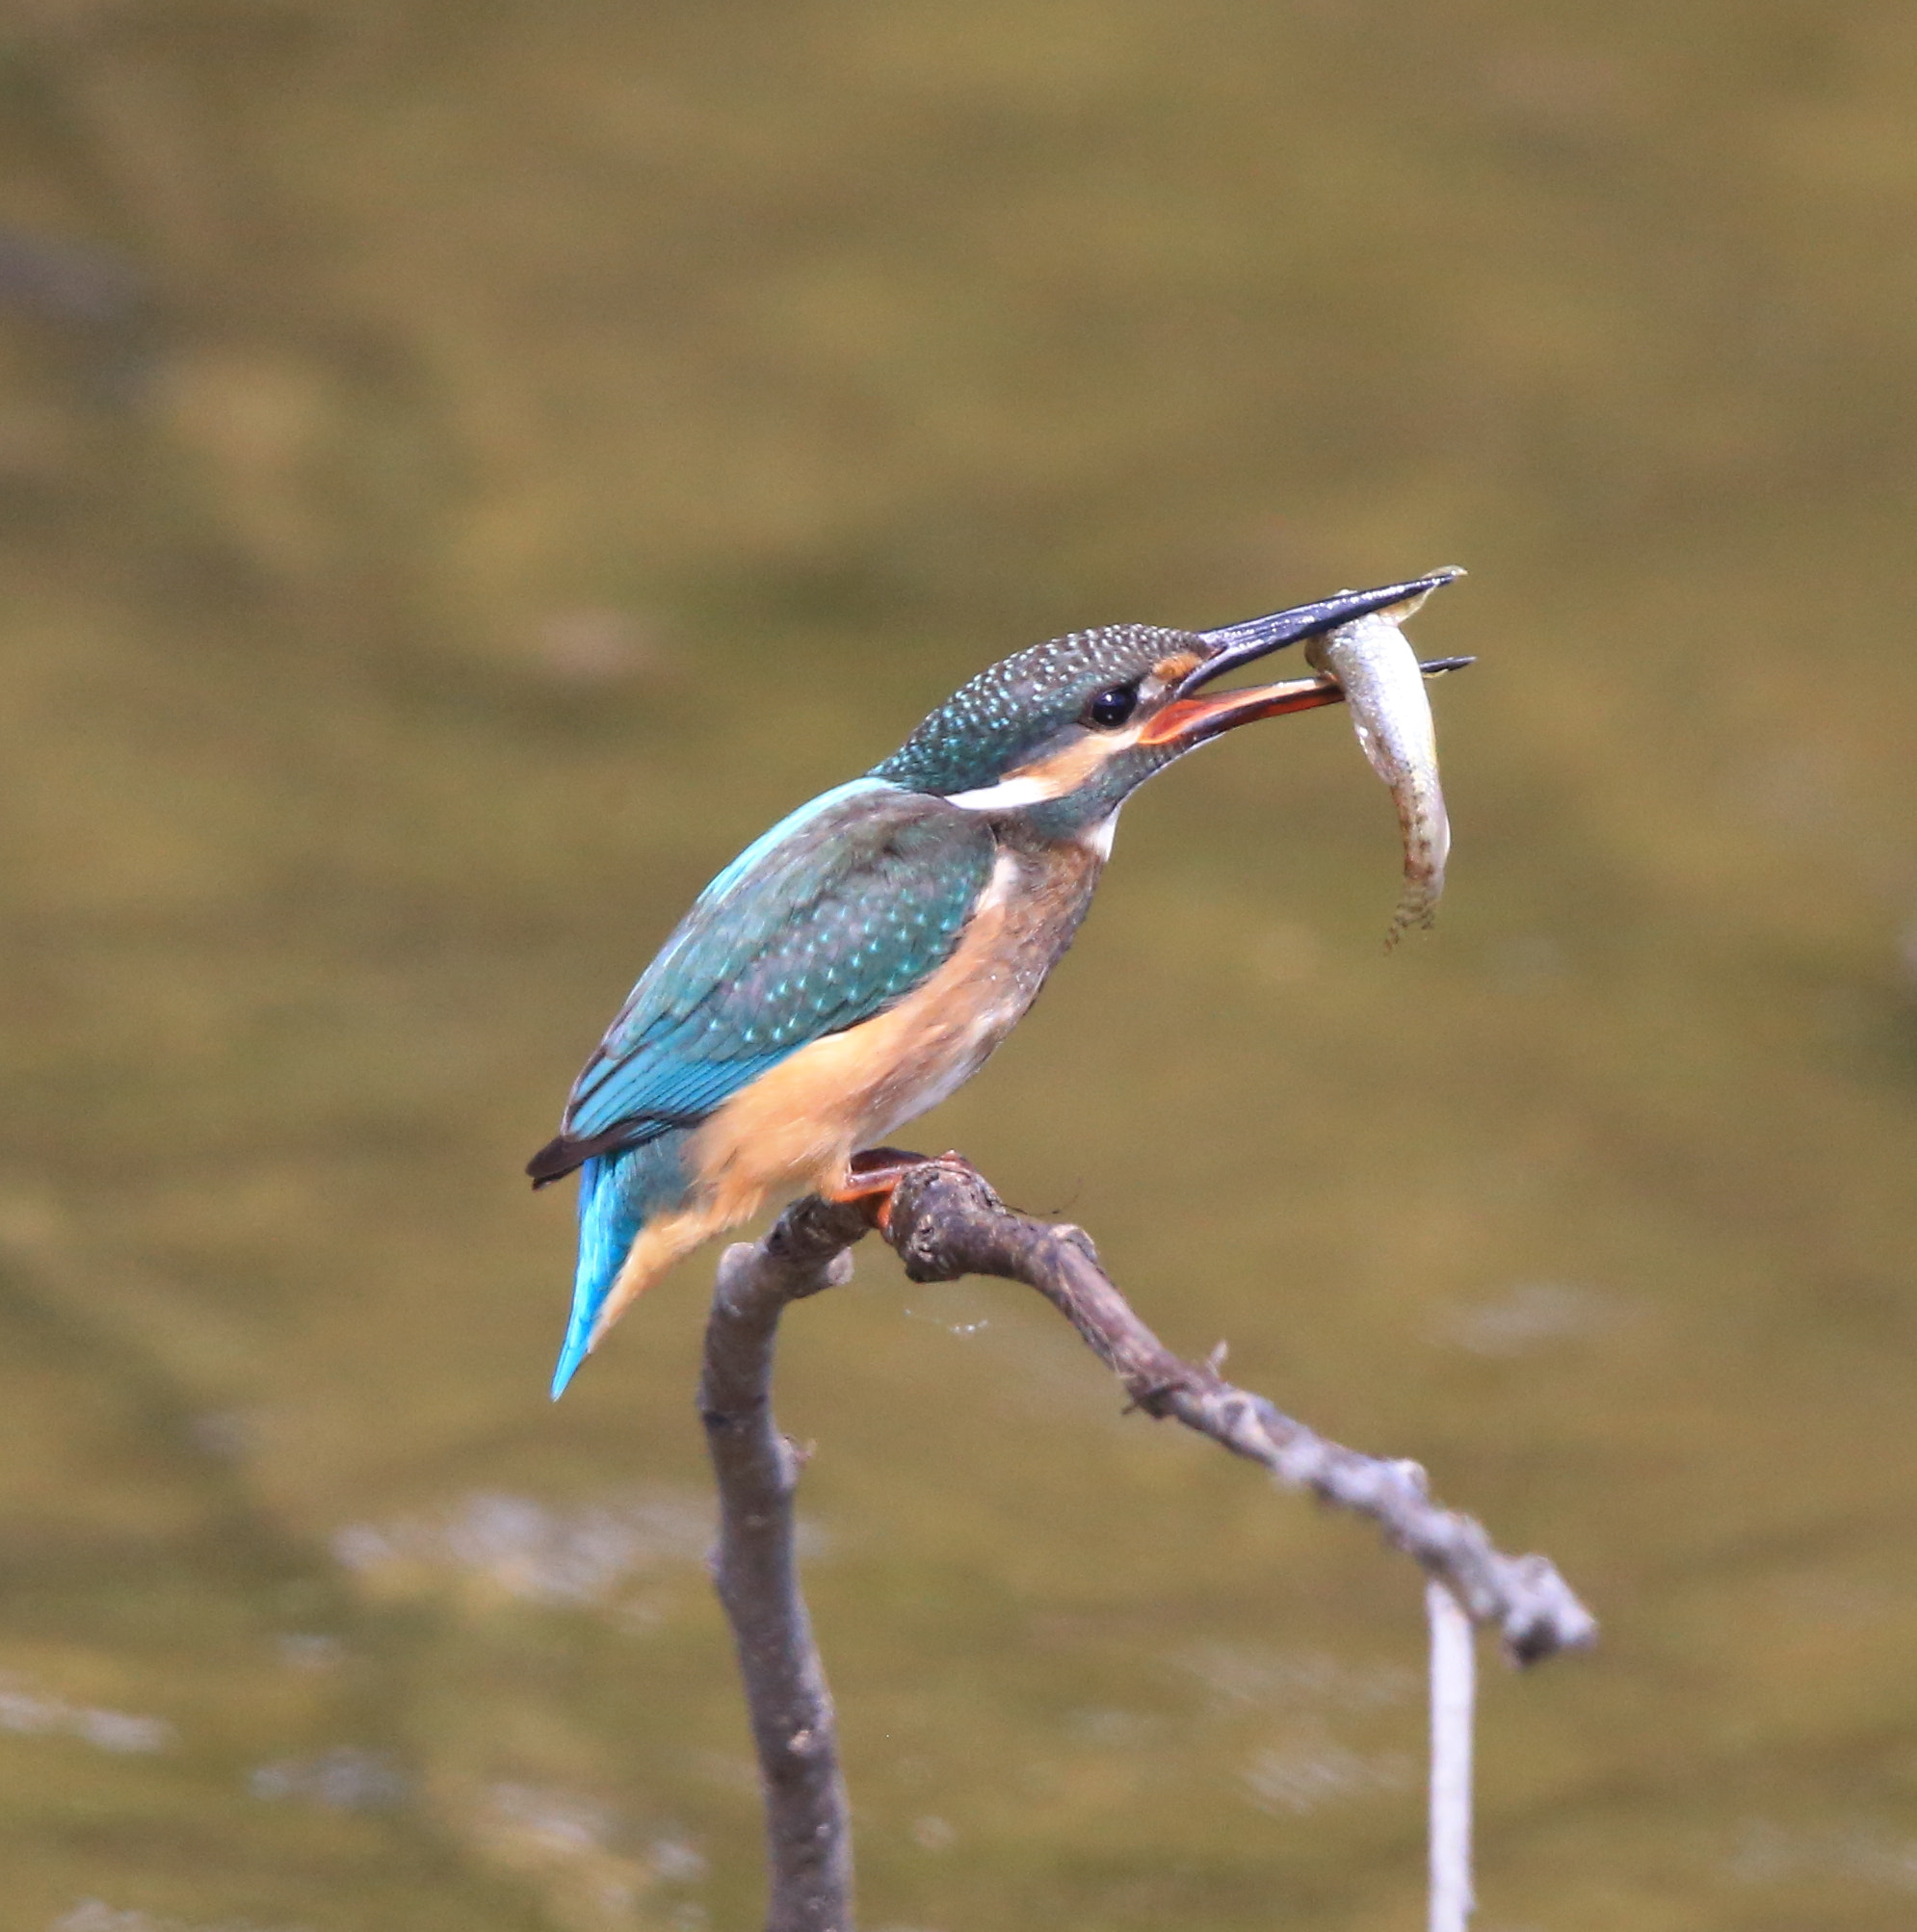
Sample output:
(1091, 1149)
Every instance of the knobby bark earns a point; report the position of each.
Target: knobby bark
(945, 1221)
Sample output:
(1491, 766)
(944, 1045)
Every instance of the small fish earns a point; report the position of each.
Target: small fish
(1384, 686)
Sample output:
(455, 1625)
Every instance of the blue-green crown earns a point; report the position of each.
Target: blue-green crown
(1005, 715)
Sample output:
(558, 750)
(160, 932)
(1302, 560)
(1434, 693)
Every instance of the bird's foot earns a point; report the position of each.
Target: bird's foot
(871, 1175)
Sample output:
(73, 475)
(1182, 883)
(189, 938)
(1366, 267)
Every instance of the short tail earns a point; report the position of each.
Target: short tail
(608, 1226)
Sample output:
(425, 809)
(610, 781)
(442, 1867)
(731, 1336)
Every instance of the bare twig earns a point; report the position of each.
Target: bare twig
(945, 1221)
(1453, 1697)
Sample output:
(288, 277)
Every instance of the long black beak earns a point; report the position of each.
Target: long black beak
(1258, 637)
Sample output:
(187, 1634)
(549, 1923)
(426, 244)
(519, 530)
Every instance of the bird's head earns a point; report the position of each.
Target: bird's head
(1064, 731)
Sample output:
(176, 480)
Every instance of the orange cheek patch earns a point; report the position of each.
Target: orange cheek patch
(1068, 770)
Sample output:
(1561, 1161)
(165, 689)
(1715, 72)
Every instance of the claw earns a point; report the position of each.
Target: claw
(871, 1175)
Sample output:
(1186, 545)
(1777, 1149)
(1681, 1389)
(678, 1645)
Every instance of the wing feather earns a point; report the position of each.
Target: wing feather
(828, 919)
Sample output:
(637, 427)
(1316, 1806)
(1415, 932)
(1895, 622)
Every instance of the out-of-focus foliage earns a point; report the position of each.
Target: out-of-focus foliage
(465, 469)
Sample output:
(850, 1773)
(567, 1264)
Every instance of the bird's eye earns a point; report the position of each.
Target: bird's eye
(1112, 707)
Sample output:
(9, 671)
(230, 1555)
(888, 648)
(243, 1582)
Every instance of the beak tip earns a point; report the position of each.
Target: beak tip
(1241, 644)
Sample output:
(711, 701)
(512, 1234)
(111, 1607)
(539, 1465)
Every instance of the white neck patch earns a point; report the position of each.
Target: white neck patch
(1004, 797)
(1063, 772)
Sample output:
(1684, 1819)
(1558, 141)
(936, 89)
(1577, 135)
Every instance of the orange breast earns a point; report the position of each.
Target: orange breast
(794, 1130)
(797, 1126)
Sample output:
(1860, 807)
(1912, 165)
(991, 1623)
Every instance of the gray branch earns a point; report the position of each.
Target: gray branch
(809, 1834)
(945, 1221)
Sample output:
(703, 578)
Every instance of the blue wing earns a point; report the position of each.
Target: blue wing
(835, 913)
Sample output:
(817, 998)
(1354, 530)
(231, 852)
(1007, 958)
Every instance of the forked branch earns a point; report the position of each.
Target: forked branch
(945, 1221)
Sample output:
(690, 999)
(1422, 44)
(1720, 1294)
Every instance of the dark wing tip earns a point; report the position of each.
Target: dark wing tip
(556, 1159)
(559, 1156)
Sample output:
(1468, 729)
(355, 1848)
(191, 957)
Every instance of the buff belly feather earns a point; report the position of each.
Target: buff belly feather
(795, 1128)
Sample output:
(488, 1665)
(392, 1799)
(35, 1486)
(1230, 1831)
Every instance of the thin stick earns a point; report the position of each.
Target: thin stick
(1454, 1695)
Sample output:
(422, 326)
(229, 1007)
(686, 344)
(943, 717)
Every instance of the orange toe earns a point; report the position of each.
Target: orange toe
(870, 1177)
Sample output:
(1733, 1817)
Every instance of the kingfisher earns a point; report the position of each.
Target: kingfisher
(859, 963)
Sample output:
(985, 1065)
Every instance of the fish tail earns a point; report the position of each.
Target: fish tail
(1417, 908)
(1425, 829)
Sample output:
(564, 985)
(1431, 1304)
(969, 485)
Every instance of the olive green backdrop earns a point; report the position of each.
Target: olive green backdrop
(467, 468)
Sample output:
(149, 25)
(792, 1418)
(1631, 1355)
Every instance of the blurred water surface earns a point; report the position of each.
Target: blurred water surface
(466, 469)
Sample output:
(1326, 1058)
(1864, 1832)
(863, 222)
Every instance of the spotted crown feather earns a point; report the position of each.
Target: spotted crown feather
(1003, 715)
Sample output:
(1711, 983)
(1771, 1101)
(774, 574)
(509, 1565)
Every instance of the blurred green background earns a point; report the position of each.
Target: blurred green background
(467, 468)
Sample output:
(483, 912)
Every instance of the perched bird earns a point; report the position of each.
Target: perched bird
(858, 963)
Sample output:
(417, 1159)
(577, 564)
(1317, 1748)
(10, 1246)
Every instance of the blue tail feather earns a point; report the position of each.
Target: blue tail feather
(617, 1194)
(608, 1226)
